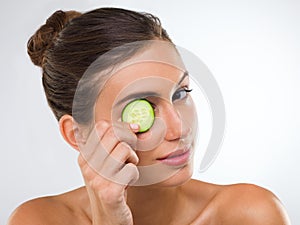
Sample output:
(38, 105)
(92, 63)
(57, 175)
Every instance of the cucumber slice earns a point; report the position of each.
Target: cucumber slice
(139, 112)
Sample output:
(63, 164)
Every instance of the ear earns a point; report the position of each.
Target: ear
(69, 130)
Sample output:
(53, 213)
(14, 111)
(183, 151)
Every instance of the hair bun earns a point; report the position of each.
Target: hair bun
(45, 36)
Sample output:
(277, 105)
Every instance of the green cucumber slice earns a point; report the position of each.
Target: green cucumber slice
(140, 112)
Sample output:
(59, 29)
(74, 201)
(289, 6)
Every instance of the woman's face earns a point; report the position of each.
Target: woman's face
(173, 132)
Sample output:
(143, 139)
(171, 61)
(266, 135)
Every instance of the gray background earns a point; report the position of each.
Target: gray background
(251, 47)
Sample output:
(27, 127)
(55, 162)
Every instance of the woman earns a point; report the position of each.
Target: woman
(94, 66)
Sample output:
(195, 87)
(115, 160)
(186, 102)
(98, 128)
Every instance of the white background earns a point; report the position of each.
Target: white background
(251, 47)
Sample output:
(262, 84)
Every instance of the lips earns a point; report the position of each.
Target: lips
(173, 154)
(176, 158)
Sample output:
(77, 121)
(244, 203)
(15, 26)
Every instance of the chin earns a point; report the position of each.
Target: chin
(183, 175)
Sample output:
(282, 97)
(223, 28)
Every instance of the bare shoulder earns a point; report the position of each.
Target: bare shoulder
(249, 204)
(44, 211)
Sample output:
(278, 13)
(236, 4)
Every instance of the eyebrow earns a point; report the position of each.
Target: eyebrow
(141, 95)
(185, 74)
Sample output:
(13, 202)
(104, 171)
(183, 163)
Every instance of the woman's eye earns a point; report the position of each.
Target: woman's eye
(153, 105)
(180, 94)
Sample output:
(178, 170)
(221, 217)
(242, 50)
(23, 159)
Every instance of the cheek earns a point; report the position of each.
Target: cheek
(103, 109)
(155, 136)
(146, 158)
(187, 111)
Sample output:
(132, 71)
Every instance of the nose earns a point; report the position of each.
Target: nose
(175, 128)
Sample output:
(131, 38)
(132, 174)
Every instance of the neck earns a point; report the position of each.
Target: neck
(153, 205)
(149, 205)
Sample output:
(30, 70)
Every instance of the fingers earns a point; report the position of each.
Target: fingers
(117, 133)
(123, 153)
(88, 148)
(119, 157)
(128, 175)
(109, 152)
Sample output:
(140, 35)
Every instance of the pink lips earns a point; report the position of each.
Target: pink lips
(176, 158)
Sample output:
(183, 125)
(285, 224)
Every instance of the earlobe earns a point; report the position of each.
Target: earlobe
(68, 129)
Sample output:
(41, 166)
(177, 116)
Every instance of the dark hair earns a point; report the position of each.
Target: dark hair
(69, 42)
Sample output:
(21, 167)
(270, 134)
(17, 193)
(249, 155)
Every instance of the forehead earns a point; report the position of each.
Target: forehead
(155, 77)
(143, 70)
(158, 58)
(157, 69)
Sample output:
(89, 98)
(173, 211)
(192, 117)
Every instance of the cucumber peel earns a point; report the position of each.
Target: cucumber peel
(139, 112)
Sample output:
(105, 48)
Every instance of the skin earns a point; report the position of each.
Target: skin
(176, 200)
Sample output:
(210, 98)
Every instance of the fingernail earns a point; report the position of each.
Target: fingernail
(134, 126)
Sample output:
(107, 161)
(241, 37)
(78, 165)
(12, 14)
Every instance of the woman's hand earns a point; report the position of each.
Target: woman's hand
(108, 164)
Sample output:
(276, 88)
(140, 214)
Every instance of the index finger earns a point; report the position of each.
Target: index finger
(95, 135)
